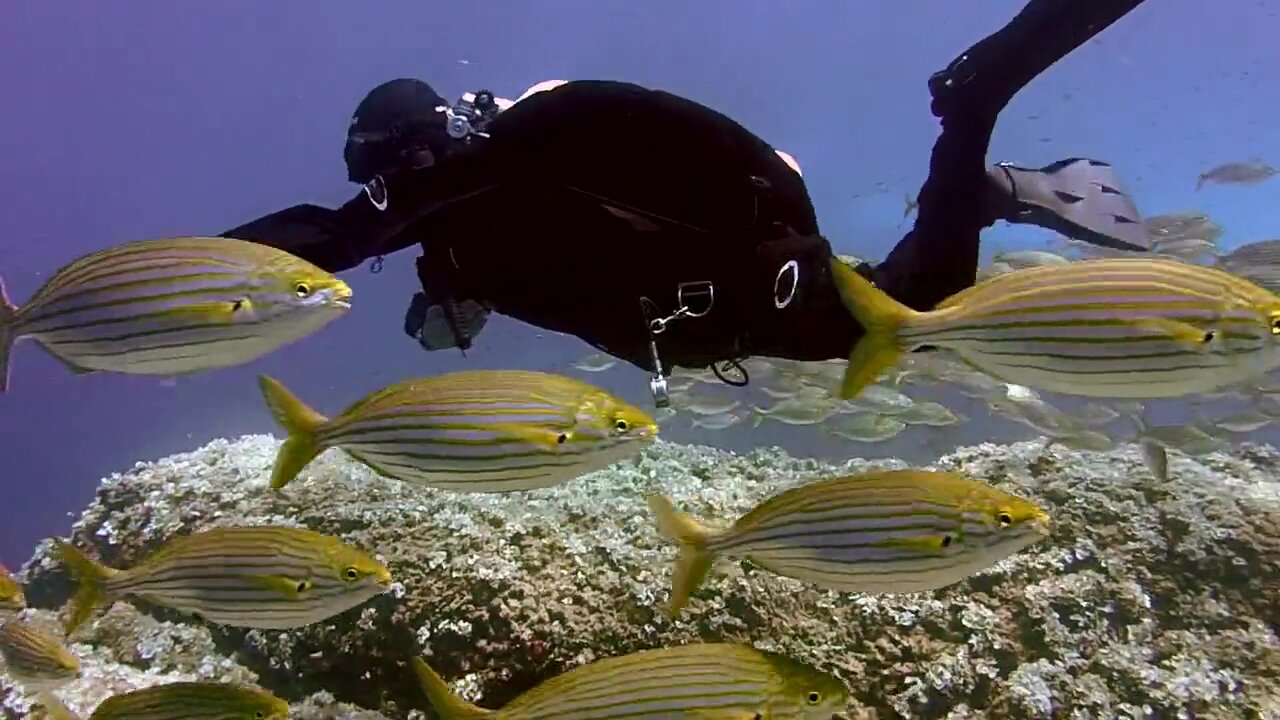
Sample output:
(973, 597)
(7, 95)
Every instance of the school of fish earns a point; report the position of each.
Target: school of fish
(1115, 328)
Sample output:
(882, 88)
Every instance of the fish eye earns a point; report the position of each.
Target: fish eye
(302, 289)
(1209, 335)
(303, 586)
(259, 715)
(1005, 519)
(562, 438)
(946, 541)
(814, 697)
(351, 573)
(1275, 325)
(622, 425)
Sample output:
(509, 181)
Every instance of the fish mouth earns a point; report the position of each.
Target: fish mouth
(340, 296)
(384, 580)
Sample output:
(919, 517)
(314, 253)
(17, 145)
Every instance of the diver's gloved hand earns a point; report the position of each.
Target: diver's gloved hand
(1078, 197)
(440, 326)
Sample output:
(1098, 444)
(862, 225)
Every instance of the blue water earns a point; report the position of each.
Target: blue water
(141, 119)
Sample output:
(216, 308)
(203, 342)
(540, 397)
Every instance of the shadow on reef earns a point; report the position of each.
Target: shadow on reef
(1156, 595)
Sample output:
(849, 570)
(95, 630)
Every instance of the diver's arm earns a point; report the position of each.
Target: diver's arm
(939, 256)
(335, 240)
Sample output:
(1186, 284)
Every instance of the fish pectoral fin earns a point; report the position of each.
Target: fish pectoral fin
(290, 587)
(727, 714)
(542, 437)
(218, 311)
(1183, 333)
(933, 544)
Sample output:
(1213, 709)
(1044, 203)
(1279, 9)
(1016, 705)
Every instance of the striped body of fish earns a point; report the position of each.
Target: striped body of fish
(1110, 328)
(193, 701)
(890, 531)
(711, 680)
(35, 658)
(254, 577)
(11, 597)
(473, 431)
(173, 306)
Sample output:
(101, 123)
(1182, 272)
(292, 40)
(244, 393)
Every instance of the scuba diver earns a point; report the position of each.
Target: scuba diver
(663, 232)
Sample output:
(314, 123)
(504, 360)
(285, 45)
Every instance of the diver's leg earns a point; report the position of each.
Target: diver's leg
(939, 256)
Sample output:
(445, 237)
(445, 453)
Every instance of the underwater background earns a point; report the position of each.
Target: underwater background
(126, 121)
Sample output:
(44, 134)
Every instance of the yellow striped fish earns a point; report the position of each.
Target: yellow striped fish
(193, 701)
(473, 431)
(173, 306)
(11, 598)
(1112, 328)
(33, 657)
(711, 680)
(253, 577)
(889, 531)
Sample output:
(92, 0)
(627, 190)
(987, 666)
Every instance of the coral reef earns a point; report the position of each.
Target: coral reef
(1151, 599)
(126, 650)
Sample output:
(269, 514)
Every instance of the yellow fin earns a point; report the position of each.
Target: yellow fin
(880, 317)
(91, 577)
(286, 586)
(693, 561)
(299, 422)
(1194, 338)
(50, 707)
(217, 311)
(931, 544)
(8, 335)
(443, 700)
(541, 436)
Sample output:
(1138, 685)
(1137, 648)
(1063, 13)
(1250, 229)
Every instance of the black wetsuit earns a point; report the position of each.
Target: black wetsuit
(588, 205)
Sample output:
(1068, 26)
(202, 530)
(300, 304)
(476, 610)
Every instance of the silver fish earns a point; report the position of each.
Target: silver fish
(1238, 173)
(717, 422)
(597, 362)
(866, 427)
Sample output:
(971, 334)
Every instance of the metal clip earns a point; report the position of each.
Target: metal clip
(697, 289)
(657, 383)
(658, 326)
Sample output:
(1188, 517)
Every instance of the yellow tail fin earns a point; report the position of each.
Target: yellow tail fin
(299, 422)
(8, 333)
(91, 578)
(693, 561)
(880, 316)
(51, 708)
(443, 700)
